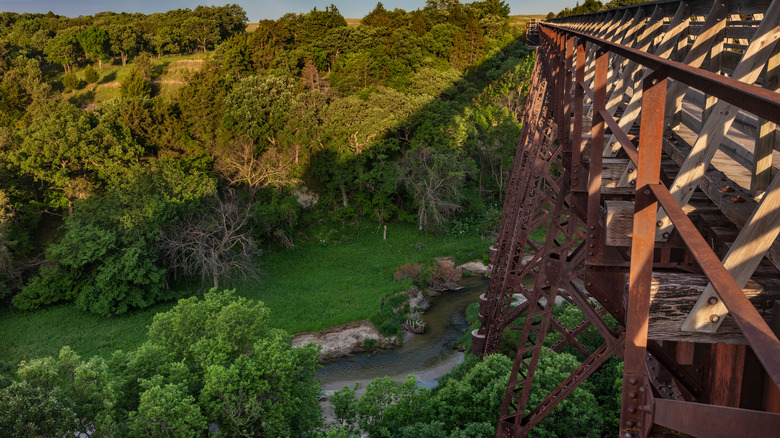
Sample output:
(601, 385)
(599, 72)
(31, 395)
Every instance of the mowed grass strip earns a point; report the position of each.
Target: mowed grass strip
(312, 287)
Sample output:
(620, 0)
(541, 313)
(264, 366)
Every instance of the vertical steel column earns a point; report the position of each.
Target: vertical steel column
(636, 406)
(595, 233)
(579, 96)
(567, 76)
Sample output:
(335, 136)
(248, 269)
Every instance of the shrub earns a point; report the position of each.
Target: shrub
(135, 85)
(70, 81)
(407, 271)
(91, 75)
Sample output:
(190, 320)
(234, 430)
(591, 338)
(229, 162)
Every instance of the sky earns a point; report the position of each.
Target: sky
(255, 9)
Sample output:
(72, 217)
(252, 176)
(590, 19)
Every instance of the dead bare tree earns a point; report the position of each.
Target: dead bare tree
(217, 243)
(241, 163)
(434, 179)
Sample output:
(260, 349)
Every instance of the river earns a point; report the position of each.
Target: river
(427, 356)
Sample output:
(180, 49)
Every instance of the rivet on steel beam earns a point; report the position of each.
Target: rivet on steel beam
(589, 284)
(714, 318)
(632, 394)
(666, 235)
(632, 380)
(628, 434)
(712, 300)
(646, 192)
(590, 253)
(641, 389)
(592, 236)
(655, 81)
(659, 224)
(630, 423)
(591, 245)
(632, 182)
(630, 171)
(631, 409)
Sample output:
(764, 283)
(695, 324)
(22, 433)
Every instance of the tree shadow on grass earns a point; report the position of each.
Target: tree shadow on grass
(111, 77)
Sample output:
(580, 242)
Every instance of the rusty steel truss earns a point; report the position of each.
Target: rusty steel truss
(635, 210)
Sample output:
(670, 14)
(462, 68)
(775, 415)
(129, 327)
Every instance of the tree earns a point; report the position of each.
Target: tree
(61, 146)
(94, 41)
(63, 48)
(135, 85)
(434, 179)
(245, 376)
(107, 259)
(379, 17)
(30, 411)
(91, 75)
(258, 107)
(216, 243)
(125, 39)
(241, 161)
(8, 272)
(86, 387)
(166, 410)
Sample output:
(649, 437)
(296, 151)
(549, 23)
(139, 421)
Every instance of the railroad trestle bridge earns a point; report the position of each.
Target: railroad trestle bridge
(648, 152)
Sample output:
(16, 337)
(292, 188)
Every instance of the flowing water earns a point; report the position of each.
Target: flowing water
(427, 356)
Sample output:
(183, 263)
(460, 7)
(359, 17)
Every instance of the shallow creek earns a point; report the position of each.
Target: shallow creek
(427, 356)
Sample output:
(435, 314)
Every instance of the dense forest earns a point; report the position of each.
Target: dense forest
(406, 117)
(121, 188)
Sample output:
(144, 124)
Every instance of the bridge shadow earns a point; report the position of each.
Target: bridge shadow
(430, 127)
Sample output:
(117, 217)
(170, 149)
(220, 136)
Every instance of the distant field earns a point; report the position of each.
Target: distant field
(516, 20)
(520, 20)
(341, 277)
(352, 22)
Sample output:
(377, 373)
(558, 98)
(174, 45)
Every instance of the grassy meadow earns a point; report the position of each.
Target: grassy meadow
(333, 279)
(168, 75)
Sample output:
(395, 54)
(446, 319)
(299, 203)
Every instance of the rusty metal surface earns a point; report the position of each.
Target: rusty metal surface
(715, 421)
(633, 415)
(748, 97)
(754, 328)
(574, 262)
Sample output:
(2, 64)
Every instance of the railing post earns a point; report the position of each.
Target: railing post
(636, 405)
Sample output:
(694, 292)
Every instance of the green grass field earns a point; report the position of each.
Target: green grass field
(169, 73)
(318, 284)
(520, 20)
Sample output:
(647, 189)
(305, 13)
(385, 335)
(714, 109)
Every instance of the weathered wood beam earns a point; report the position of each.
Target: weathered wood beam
(631, 114)
(626, 80)
(733, 201)
(713, 25)
(673, 295)
(767, 132)
(741, 261)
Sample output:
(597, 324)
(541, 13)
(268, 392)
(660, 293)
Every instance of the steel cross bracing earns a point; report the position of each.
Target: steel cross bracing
(598, 77)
